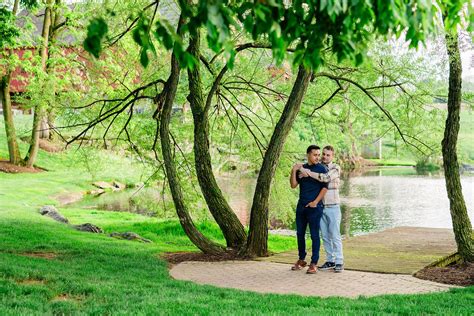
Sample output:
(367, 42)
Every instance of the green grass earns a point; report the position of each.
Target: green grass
(393, 162)
(96, 274)
(466, 136)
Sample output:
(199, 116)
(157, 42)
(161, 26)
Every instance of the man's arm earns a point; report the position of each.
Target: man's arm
(321, 177)
(320, 196)
(293, 181)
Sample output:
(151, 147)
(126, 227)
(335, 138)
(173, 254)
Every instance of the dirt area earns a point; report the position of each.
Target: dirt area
(7, 167)
(31, 282)
(457, 274)
(68, 198)
(49, 146)
(403, 250)
(44, 255)
(66, 297)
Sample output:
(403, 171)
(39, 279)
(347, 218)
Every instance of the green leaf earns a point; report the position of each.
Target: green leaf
(144, 60)
(96, 31)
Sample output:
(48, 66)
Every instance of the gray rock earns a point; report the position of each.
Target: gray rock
(103, 185)
(88, 227)
(52, 212)
(129, 236)
(96, 192)
(119, 185)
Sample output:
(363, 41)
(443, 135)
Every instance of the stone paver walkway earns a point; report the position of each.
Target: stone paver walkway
(402, 250)
(270, 277)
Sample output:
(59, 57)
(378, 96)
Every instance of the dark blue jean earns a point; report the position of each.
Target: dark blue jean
(311, 216)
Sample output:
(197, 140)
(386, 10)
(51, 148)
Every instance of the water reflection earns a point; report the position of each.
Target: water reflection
(383, 198)
(371, 200)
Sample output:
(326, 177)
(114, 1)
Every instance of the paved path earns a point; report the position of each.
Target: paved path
(270, 277)
(396, 250)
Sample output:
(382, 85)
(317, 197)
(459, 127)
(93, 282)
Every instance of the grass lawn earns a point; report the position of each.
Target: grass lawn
(49, 268)
(466, 136)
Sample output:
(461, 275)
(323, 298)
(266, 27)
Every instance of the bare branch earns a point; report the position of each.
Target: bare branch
(117, 37)
(327, 100)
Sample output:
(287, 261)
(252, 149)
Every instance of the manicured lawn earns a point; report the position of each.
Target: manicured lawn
(49, 268)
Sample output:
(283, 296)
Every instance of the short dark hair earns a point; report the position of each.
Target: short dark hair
(329, 147)
(311, 147)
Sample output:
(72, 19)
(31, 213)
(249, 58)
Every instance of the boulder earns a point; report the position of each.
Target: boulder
(129, 236)
(88, 227)
(103, 185)
(96, 192)
(52, 212)
(119, 185)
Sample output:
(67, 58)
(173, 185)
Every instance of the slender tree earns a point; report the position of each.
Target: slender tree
(13, 150)
(39, 111)
(225, 217)
(461, 224)
(258, 235)
(185, 219)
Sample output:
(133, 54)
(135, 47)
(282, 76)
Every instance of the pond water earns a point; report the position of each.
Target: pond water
(371, 200)
(390, 197)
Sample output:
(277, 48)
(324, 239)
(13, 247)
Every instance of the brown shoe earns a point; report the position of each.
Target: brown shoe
(300, 264)
(312, 269)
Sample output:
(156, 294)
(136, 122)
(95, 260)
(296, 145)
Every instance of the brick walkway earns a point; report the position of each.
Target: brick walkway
(270, 277)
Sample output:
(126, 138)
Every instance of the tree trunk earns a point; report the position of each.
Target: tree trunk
(461, 224)
(39, 111)
(225, 217)
(258, 234)
(198, 239)
(50, 117)
(13, 150)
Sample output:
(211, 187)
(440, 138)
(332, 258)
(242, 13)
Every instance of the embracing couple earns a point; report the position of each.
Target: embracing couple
(318, 206)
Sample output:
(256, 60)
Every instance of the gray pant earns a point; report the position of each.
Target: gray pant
(330, 231)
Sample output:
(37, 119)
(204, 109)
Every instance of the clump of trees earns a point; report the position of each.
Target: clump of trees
(311, 32)
(325, 41)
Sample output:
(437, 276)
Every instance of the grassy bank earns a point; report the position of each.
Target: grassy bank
(48, 268)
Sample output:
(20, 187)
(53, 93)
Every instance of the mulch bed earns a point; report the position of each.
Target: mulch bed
(457, 274)
(178, 257)
(6, 166)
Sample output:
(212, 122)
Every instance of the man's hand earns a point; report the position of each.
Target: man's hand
(312, 204)
(293, 180)
(297, 166)
(303, 172)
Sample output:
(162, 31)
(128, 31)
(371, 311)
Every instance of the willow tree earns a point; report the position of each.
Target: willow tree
(310, 30)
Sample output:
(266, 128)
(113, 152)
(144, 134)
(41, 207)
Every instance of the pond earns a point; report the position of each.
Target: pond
(371, 200)
(390, 197)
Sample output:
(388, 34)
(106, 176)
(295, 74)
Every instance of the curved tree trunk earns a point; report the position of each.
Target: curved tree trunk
(258, 234)
(461, 223)
(13, 150)
(185, 219)
(39, 112)
(227, 220)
